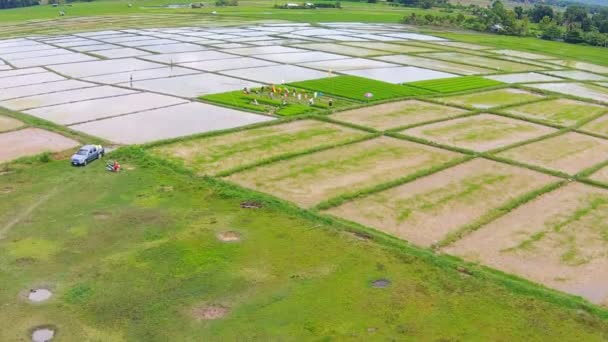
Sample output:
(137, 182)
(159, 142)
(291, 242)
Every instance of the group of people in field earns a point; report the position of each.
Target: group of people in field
(284, 93)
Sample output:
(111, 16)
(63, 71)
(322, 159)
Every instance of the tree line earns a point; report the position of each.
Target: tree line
(577, 24)
(17, 3)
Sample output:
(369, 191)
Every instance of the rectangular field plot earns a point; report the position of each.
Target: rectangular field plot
(587, 91)
(492, 98)
(119, 53)
(570, 152)
(497, 64)
(526, 77)
(140, 75)
(479, 133)
(347, 64)
(392, 48)
(397, 114)
(341, 49)
(173, 48)
(558, 239)
(400, 74)
(582, 66)
(51, 60)
(277, 74)
(31, 141)
(8, 123)
(185, 57)
(559, 111)
(456, 84)
(310, 179)
(42, 88)
(356, 88)
(228, 64)
(193, 85)
(221, 153)
(521, 54)
(577, 75)
(426, 210)
(66, 96)
(301, 57)
(23, 80)
(82, 111)
(104, 67)
(165, 123)
(456, 68)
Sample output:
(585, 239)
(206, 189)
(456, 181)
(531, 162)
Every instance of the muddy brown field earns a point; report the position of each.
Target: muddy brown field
(9, 124)
(30, 141)
(558, 240)
(480, 133)
(224, 152)
(397, 114)
(426, 210)
(310, 179)
(570, 152)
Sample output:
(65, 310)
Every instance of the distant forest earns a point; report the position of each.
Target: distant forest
(17, 3)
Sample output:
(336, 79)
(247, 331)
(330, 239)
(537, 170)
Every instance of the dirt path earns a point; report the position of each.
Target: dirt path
(26, 212)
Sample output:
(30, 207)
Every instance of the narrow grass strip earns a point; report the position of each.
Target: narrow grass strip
(339, 200)
(495, 214)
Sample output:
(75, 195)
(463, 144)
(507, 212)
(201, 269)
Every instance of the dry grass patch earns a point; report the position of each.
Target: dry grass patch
(570, 152)
(209, 312)
(492, 98)
(426, 210)
(312, 178)
(9, 124)
(480, 133)
(560, 239)
(559, 111)
(220, 153)
(397, 114)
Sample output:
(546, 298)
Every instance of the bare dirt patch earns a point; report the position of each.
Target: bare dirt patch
(215, 154)
(426, 210)
(209, 312)
(229, 236)
(381, 283)
(8, 124)
(6, 189)
(251, 205)
(559, 240)
(30, 141)
(311, 178)
(480, 133)
(101, 215)
(570, 152)
(492, 98)
(397, 114)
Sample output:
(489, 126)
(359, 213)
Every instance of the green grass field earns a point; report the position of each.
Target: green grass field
(138, 255)
(274, 104)
(355, 88)
(456, 84)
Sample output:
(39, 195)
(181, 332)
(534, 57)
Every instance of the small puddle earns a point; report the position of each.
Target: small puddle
(381, 283)
(39, 295)
(229, 236)
(43, 334)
